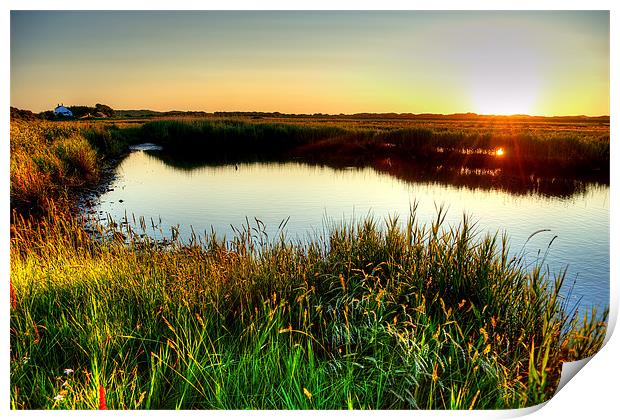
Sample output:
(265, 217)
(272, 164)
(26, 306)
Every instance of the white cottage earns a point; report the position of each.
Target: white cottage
(61, 110)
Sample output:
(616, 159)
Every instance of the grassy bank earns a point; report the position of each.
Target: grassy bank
(366, 317)
(50, 160)
(46, 159)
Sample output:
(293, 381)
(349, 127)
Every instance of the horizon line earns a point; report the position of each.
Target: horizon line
(338, 114)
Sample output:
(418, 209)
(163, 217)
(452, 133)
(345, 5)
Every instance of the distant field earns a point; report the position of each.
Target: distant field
(500, 124)
(465, 121)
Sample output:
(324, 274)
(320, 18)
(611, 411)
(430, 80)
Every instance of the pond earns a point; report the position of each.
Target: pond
(202, 198)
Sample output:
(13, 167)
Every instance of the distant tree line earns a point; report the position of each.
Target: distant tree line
(468, 116)
(146, 113)
(99, 111)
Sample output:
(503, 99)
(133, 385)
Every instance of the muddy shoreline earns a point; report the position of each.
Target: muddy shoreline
(86, 197)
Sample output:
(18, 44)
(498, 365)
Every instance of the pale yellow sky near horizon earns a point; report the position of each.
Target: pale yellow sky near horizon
(530, 62)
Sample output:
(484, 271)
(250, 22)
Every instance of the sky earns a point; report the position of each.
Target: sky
(505, 62)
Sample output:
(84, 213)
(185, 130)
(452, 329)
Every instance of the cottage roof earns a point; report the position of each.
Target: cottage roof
(62, 110)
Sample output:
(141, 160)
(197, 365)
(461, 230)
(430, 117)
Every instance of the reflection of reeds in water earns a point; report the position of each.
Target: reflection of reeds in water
(363, 317)
(483, 178)
(420, 172)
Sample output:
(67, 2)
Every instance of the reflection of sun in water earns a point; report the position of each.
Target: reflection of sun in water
(499, 152)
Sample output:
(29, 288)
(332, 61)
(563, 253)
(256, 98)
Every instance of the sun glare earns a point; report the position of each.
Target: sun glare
(504, 100)
(499, 152)
(503, 71)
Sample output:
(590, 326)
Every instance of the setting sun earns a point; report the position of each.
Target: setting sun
(503, 87)
(501, 102)
(499, 152)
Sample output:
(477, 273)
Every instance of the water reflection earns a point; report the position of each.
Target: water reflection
(471, 177)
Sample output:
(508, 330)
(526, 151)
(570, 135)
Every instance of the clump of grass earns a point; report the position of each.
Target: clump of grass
(369, 316)
(77, 157)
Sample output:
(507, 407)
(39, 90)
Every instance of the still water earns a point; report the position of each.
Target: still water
(309, 197)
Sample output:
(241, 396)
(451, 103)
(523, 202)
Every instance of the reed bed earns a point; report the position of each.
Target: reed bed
(368, 316)
(524, 148)
(235, 138)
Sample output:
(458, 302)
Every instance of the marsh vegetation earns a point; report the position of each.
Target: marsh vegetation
(401, 314)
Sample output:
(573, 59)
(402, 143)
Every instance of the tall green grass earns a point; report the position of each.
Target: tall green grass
(367, 316)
